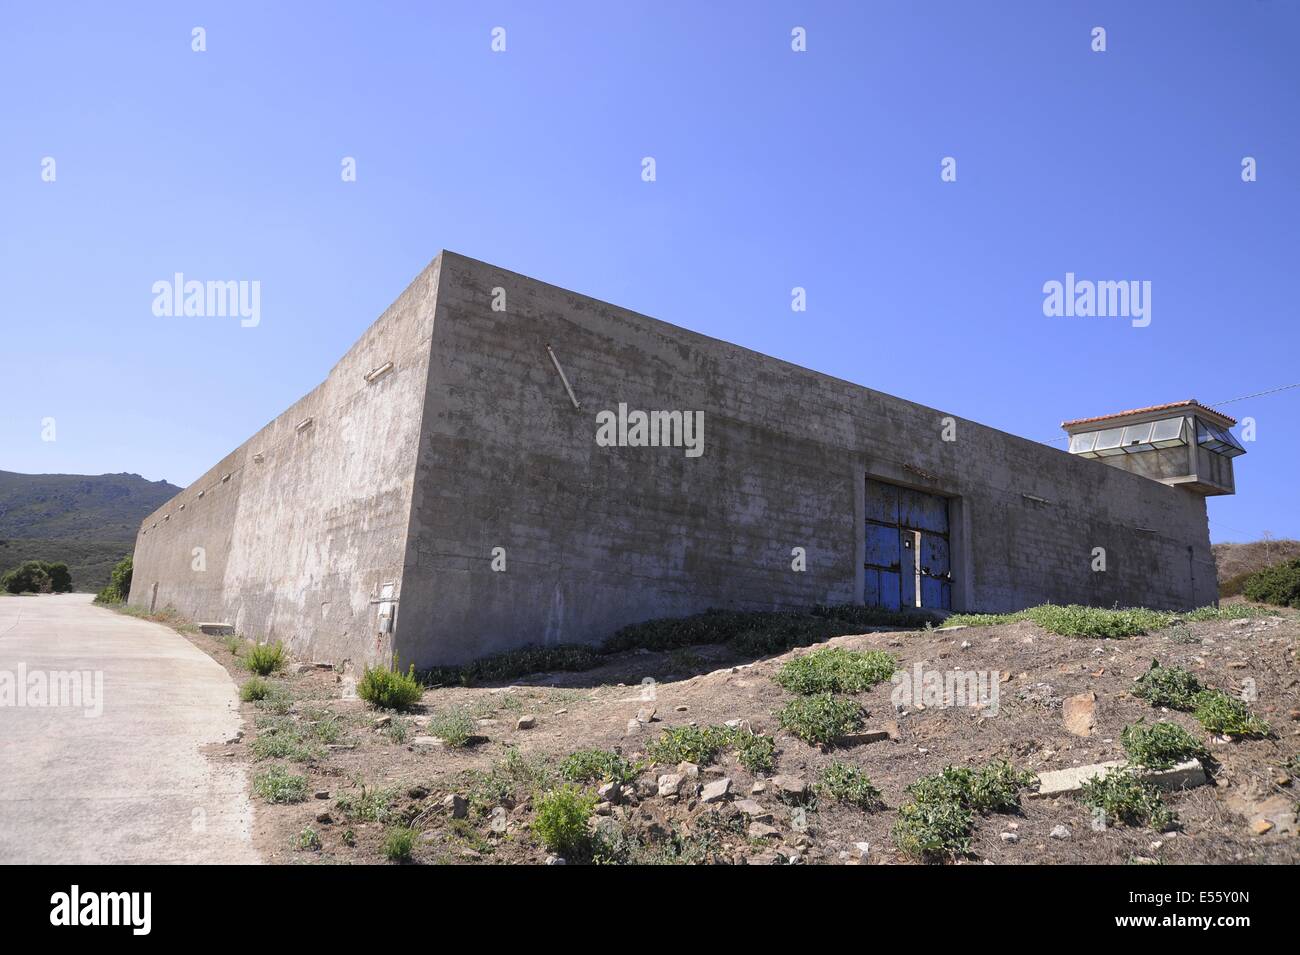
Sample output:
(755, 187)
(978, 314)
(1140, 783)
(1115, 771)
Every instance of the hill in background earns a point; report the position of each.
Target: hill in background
(87, 521)
(1236, 561)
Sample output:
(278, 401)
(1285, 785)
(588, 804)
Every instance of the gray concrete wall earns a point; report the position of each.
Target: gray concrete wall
(599, 537)
(296, 543)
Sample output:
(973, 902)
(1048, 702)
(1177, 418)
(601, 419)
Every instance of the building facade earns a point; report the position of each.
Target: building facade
(499, 462)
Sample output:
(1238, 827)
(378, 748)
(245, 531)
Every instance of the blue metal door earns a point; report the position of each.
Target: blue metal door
(907, 562)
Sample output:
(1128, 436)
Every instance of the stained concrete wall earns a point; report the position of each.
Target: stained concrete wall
(599, 537)
(300, 528)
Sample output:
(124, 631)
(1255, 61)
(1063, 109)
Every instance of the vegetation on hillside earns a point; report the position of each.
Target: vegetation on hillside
(101, 507)
(37, 577)
(1236, 562)
(1279, 584)
(118, 587)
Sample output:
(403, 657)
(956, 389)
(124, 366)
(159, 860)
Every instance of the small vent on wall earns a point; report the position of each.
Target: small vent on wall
(304, 424)
(181, 508)
(376, 373)
(201, 493)
(225, 477)
(1035, 498)
(259, 457)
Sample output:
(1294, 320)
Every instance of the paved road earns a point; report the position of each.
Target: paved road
(118, 776)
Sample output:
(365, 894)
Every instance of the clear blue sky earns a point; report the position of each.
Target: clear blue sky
(775, 170)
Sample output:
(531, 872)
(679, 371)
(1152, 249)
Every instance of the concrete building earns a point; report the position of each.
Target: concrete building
(498, 462)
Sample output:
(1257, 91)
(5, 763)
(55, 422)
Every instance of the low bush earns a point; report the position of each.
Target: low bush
(841, 782)
(514, 778)
(820, 719)
(1121, 797)
(265, 658)
(1279, 584)
(278, 785)
(502, 667)
(1223, 714)
(755, 751)
(1159, 745)
(38, 577)
(1173, 687)
(836, 670)
(592, 765)
(455, 726)
(399, 844)
(118, 588)
(939, 820)
(366, 804)
(561, 820)
(282, 739)
(692, 744)
(389, 689)
(308, 840)
(1101, 623)
(933, 830)
(254, 689)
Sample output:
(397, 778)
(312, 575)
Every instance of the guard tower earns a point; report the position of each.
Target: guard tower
(1183, 444)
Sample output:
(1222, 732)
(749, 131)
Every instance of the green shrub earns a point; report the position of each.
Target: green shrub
(1227, 612)
(38, 577)
(455, 726)
(265, 658)
(502, 667)
(933, 830)
(254, 688)
(281, 739)
(308, 840)
(388, 689)
(1160, 745)
(756, 752)
(278, 785)
(277, 699)
(514, 777)
(836, 670)
(590, 765)
(993, 788)
(118, 588)
(235, 644)
(821, 719)
(1100, 623)
(1279, 584)
(365, 804)
(561, 820)
(848, 784)
(691, 744)
(1173, 687)
(1121, 797)
(399, 844)
(1223, 714)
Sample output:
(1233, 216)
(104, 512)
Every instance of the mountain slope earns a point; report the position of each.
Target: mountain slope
(103, 507)
(87, 521)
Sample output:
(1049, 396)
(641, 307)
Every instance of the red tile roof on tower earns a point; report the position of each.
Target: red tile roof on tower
(1190, 403)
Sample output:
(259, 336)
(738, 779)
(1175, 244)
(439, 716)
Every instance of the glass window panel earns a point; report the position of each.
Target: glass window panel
(1108, 441)
(1167, 432)
(1137, 434)
(1080, 443)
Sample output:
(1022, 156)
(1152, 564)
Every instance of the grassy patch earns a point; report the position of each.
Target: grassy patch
(561, 820)
(1220, 713)
(1098, 622)
(265, 658)
(502, 667)
(1279, 584)
(1160, 745)
(756, 752)
(399, 844)
(388, 689)
(366, 804)
(841, 782)
(508, 781)
(592, 765)
(307, 840)
(254, 689)
(1168, 686)
(455, 725)
(820, 719)
(692, 744)
(282, 739)
(939, 821)
(278, 785)
(704, 844)
(1121, 797)
(836, 670)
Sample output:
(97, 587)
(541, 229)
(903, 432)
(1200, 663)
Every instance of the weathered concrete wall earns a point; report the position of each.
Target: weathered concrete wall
(310, 523)
(599, 537)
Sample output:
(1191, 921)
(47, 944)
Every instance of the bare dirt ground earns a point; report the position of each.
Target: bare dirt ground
(371, 766)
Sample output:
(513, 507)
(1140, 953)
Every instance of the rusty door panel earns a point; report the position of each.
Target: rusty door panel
(882, 546)
(907, 561)
(922, 512)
